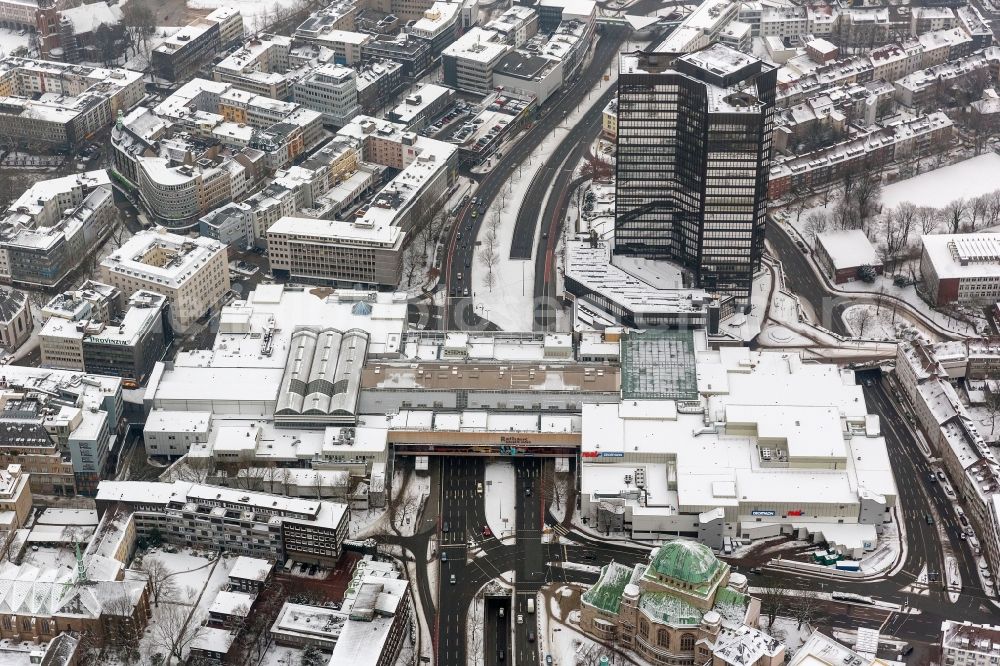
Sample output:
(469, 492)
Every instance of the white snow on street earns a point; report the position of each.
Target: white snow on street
(937, 188)
(500, 490)
(10, 40)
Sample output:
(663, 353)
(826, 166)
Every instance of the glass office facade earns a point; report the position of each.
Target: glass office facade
(694, 149)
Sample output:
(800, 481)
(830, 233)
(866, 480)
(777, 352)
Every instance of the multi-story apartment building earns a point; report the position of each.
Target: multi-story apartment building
(18, 13)
(694, 148)
(15, 497)
(192, 273)
(258, 66)
(52, 227)
(179, 56)
(330, 89)
(54, 103)
(968, 644)
(258, 525)
(59, 428)
(926, 19)
(912, 137)
(469, 62)
(925, 373)
(378, 81)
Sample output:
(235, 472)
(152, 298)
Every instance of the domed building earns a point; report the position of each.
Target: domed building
(685, 607)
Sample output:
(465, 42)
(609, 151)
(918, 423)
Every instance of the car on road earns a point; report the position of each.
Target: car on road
(444, 556)
(548, 660)
(520, 619)
(589, 556)
(487, 532)
(465, 292)
(453, 579)
(527, 491)
(929, 519)
(460, 276)
(531, 637)
(940, 475)
(444, 526)
(501, 611)
(475, 213)
(931, 477)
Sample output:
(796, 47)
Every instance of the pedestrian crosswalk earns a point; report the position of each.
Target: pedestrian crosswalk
(560, 530)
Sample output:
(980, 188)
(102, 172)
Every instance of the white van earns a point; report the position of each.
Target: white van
(531, 606)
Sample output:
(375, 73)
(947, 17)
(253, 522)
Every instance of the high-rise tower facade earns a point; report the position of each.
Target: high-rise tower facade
(694, 150)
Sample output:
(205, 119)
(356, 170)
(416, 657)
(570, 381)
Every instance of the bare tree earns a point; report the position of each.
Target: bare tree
(121, 628)
(993, 406)
(928, 218)
(806, 609)
(274, 474)
(867, 192)
(413, 261)
(993, 208)
(174, 632)
(859, 319)
(161, 582)
(979, 208)
(816, 223)
(897, 224)
(955, 213)
(774, 599)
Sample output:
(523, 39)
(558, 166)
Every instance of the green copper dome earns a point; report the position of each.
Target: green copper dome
(686, 561)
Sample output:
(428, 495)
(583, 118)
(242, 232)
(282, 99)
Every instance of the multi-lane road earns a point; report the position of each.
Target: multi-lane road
(459, 311)
(529, 563)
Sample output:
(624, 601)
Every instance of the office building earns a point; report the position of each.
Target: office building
(128, 347)
(378, 81)
(439, 26)
(330, 89)
(961, 268)
(179, 56)
(420, 106)
(470, 61)
(259, 525)
(16, 323)
(193, 273)
(258, 66)
(694, 147)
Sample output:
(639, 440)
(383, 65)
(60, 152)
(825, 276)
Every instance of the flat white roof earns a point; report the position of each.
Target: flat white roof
(849, 248)
(958, 256)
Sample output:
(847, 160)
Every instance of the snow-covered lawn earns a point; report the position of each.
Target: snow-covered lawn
(872, 322)
(11, 40)
(195, 582)
(969, 178)
(500, 491)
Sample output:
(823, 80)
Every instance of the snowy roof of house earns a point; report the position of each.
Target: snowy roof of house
(87, 18)
(849, 248)
(250, 568)
(232, 603)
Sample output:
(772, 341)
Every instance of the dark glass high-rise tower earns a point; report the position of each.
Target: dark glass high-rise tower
(694, 150)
